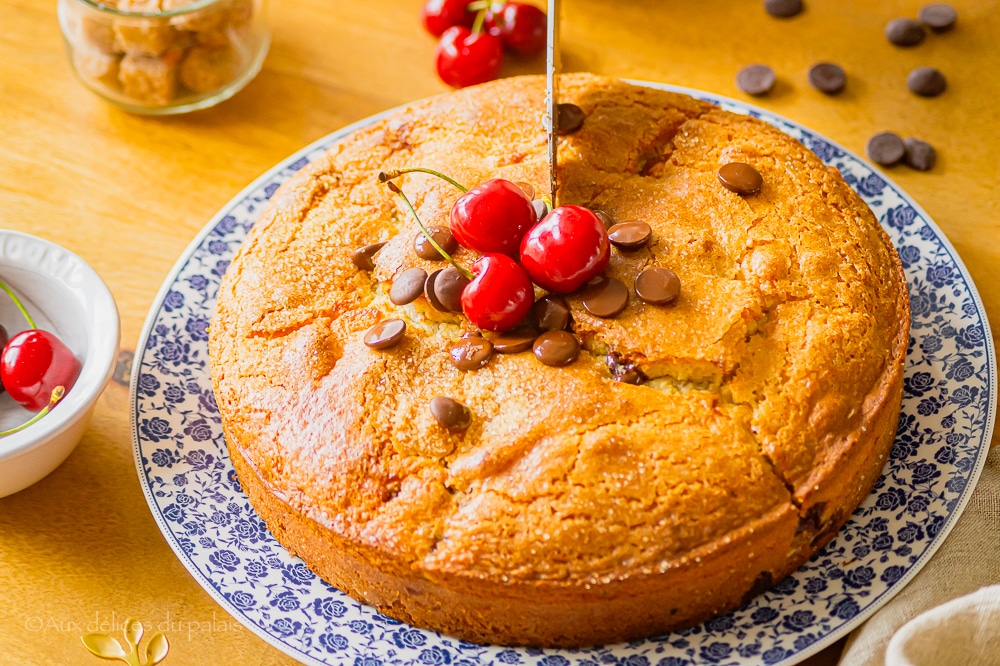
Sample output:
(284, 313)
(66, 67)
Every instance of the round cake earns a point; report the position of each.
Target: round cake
(756, 411)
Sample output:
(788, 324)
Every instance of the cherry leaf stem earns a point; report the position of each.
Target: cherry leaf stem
(57, 395)
(20, 306)
(386, 176)
(430, 239)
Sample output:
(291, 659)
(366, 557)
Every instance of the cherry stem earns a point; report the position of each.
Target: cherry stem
(477, 6)
(20, 306)
(477, 26)
(430, 239)
(386, 176)
(57, 395)
(547, 200)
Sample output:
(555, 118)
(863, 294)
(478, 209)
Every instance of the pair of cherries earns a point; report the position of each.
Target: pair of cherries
(36, 367)
(473, 36)
(560, 252)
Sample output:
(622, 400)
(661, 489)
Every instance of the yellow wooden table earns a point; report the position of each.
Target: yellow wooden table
(80, 551)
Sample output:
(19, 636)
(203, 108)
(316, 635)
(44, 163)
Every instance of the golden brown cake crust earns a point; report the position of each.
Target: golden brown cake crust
(576, 509)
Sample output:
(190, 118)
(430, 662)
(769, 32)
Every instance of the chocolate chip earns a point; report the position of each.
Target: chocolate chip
(442, 236)
(783, 8)
(630, 235)
(919, 154)
(471, 353)
(762, 583)
(623, 371)
(516, 340)
(938, 17)
(448, 289)
(828, 77)
(811, 521)
(904, 32)
(605, 218)
(550, 313)
(364, 257)
(407, 286)
(385, 334)
(451, 414)
(926, 82)
(885, 148)
(605, 297)
(755, 79)
(527, 188)
(740, 178)
(429, 291)
(556, 348)
(541, 210)
(570, 118)
(657, 285)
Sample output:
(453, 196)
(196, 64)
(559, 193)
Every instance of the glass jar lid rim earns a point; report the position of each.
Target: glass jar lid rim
(194, 6)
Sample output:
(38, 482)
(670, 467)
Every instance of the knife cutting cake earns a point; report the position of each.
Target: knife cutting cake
(644, 449)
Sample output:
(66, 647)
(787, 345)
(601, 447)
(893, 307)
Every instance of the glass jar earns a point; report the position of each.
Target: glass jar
(165, 56)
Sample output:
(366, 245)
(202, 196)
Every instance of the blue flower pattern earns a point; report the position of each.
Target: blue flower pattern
(939, 449)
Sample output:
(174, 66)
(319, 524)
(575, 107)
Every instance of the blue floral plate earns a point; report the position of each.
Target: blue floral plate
(944, 435)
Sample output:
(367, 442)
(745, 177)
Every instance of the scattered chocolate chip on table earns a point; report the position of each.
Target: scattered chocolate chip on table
(756, 79)
(905, 32)
(920, 155)
(926, 82)
(939, 17)
(885, 148)
(783, 8)
(828, 77)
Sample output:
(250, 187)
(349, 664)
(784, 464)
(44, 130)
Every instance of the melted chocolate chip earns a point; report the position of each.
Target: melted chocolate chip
(811, 520)
(623, 371)
(527, 188)
(550, 313)
(885, 148)
(904, 32)
(630, 235)
(755, 79)
(385, 334)
(926, 82)
(364, 257)
(938, 17)
(451, 414)
(448, 289)
(442, 236)
(570, 119)
(740, 178)
(828, 77)
(761, 584)
(605, 297)
(556, 348)
(919, 154)
(471, 353)
(516, 340)
(783, 8)
(429, 291)
(407, 286)
(657, 285)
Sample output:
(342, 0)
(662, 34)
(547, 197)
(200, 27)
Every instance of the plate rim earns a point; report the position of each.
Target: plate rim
(747, 108)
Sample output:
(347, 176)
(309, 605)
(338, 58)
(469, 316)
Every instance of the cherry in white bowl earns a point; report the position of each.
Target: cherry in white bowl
(66, 298)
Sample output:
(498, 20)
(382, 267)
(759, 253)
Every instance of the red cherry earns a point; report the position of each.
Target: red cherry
(439, 15)
(492, 217)
(500, 295)
(32, 364)
(567, 248)
(521, 27)
(465, 58)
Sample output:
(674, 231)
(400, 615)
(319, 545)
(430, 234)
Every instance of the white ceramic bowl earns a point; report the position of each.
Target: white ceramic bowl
(65, 296)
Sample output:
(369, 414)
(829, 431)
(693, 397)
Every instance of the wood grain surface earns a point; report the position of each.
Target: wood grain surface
(79, 549)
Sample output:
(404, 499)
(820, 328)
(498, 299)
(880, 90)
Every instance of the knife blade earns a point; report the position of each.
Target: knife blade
(551, 119)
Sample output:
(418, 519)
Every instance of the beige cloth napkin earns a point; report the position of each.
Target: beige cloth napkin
(919, 627)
